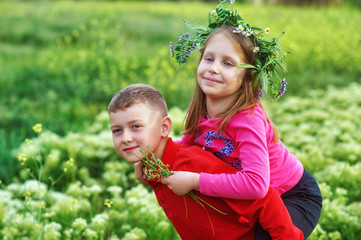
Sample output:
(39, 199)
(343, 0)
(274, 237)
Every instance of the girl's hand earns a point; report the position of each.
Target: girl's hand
(182, 182)
(139, 173)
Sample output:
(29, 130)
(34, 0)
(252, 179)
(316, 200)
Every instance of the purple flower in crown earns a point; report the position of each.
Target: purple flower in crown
(259, 94)
(266, 78)
(171, 48)
(185, 35)
(189, 51)
(283, 88)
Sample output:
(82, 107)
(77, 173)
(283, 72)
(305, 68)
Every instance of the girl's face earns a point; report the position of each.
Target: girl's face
(218, 75)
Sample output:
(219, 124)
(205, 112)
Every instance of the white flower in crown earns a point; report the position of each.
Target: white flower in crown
(214, 14)
(249, 32)
(267, 30)
(239, 29)
(256, 49)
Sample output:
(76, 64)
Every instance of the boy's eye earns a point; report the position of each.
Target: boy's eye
(135, 126)
(115, 131)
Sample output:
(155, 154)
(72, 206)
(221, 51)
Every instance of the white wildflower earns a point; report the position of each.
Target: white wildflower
(115, 191)
(79, 224)
(34, 188)
(135, 233)
(52, 231)
(95, 189)
(99, 222)
(90, 234)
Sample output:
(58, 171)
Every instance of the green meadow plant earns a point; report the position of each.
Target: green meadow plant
(322, 129)
(75, 203)
(109, 204)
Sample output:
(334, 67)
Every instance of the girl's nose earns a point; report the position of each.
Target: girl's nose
(214, 68)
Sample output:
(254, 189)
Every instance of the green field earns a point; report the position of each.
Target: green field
(60, 64)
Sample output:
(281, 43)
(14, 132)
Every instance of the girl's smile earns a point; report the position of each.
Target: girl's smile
(211, 80)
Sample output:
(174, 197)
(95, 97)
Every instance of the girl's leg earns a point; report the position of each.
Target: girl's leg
(261, 234)
(304, 203)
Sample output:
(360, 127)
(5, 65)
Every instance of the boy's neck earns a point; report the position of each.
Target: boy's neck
(161, 147)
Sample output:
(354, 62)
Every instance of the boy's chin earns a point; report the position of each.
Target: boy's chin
(131, 160)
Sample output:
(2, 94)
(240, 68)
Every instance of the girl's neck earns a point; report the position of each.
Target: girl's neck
(215, 106)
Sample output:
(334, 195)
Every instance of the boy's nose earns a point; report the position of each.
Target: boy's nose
(127, 137)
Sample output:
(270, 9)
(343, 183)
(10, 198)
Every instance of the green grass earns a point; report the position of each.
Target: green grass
(61, 62)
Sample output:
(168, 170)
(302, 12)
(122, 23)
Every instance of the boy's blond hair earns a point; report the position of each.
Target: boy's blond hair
(138, 93)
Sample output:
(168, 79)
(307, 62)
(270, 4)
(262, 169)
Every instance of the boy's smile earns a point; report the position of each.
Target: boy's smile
(130, 149)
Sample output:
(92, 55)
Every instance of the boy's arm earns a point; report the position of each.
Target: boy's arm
(139, 173)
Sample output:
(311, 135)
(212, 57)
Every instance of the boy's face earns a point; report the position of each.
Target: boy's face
(136, 128)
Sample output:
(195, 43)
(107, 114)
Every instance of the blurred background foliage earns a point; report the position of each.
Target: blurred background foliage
(62, 61)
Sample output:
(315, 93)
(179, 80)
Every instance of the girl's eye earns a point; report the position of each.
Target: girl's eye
(208, 59)
(135, 126)
(228, 64)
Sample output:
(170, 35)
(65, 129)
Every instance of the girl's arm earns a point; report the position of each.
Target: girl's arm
(252, 182)
(182, 182)
(186, 139)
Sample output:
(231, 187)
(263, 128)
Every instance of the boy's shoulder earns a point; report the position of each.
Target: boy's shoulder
(197, 159)
(193, 151)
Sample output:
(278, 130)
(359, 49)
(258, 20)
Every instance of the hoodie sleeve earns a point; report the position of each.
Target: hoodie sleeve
(253, 180)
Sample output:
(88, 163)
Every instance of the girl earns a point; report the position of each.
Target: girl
(227, 118)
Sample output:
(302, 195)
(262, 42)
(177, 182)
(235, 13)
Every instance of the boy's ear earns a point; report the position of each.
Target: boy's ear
(166, 126)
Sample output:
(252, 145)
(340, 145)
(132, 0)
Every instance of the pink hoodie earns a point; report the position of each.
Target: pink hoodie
(246, 144)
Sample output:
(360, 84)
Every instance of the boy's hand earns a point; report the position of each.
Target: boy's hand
(182, 182)
(139, 174)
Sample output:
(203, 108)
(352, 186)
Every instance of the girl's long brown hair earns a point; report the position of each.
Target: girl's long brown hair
(246, 94)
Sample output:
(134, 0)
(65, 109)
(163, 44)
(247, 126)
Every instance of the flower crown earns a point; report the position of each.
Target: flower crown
(269, 52)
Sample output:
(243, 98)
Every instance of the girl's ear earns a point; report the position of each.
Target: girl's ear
(166, 126)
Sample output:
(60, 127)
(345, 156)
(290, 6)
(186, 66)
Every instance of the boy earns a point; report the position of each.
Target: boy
(139, 118)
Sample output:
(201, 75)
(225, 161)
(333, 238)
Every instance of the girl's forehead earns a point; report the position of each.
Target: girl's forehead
(223, 39)
(222, 42)
(218, 35)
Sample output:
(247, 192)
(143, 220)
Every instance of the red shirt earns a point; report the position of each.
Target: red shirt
(192, 221)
